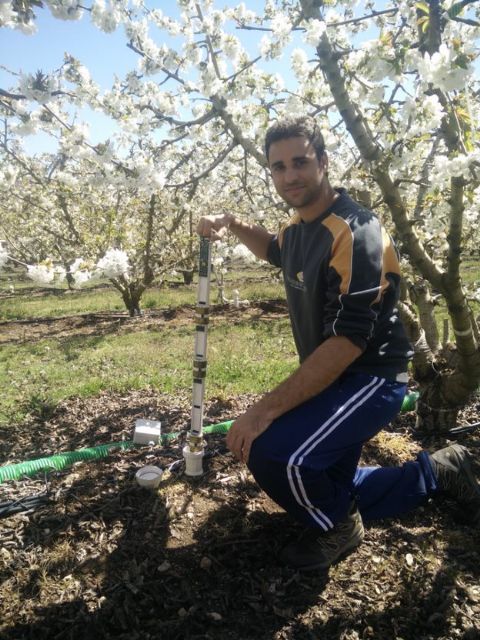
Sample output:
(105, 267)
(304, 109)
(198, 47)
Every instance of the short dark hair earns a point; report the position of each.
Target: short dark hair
(295, 127)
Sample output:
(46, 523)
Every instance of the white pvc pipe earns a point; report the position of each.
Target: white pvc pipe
(193, 451)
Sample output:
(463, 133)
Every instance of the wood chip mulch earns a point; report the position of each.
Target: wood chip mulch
(196, 559)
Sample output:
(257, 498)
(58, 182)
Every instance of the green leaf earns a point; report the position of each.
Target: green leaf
(469, 146)
(423, 22)
(423, 6)
(455, 10)
(463, 115)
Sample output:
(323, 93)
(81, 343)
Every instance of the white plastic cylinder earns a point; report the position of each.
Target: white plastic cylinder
(203, 290)
(193, 461)
(200, 344)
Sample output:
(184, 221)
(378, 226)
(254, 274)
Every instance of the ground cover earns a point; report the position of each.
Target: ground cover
(196, 559)
(43, 362)
(27, 301)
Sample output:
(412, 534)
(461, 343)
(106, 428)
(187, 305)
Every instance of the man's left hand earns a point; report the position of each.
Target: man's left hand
(244, 430)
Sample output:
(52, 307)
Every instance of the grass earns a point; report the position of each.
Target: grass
(39, 375)
(29, 303)
(242, 358)
(470, 271)
(61, 302)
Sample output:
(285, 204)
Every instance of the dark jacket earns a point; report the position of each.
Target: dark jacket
(342, 278)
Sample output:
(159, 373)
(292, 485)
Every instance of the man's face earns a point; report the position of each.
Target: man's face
(296, 171)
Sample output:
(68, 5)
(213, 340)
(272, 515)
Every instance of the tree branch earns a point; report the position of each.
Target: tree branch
(423, 183)
(148, 274)
(218, 160)
(371, 153)
(220, 106)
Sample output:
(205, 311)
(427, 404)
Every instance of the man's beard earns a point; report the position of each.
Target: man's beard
(308, 196)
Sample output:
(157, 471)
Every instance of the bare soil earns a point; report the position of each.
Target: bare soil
(18, 331)
(196, 559)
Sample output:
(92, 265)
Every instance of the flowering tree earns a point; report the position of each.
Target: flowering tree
(75, 224)
(393, 88)
(410, 116)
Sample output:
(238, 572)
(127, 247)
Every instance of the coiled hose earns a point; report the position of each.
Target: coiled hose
(61, 460)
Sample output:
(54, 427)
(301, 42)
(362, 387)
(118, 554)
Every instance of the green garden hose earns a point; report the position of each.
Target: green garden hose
(61, 460)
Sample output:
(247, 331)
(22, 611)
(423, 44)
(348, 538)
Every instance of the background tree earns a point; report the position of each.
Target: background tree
(393, 88)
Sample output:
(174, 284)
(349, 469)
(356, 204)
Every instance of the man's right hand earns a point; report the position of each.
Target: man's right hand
(212, 226)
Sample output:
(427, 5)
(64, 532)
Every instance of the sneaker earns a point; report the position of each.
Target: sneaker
(455, 478)
(319, 550)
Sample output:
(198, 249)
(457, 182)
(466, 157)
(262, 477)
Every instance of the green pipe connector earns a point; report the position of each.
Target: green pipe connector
(410, 401)
(221, 427)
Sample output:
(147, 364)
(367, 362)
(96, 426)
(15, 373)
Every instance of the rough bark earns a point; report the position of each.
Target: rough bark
(420, 295)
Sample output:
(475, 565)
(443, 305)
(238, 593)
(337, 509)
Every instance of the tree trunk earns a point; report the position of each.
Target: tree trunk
(420, 296)
(135, 291)
(445, 390)
(441, 398)
(187, 276)
(434, 412)
(131, 294)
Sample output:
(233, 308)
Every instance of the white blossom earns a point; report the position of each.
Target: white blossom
(106, 19)
(3, 256)
(211, 84)
(41, 273)
(441, 70)
(407, 10)
(295, 105)
(113, 264)
(433, 111)
(220, 253)
(458, 166)
(231, 47)
(26, 126)
(314, 31)
(80, 272)
(60, 273)
(28, 28)
(331, 142)
(240, 252)
(38, 88)
(281, 26)
(300, 63)
(445, 168)
(81, 277)
(193, 53)
(270, 49)
(65, 9)
(7, 14)
(244, 15)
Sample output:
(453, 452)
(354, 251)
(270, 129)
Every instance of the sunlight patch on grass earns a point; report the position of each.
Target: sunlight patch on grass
(242, 358)
(25, 304)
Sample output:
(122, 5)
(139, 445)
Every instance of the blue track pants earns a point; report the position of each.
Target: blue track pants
(307, 460)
